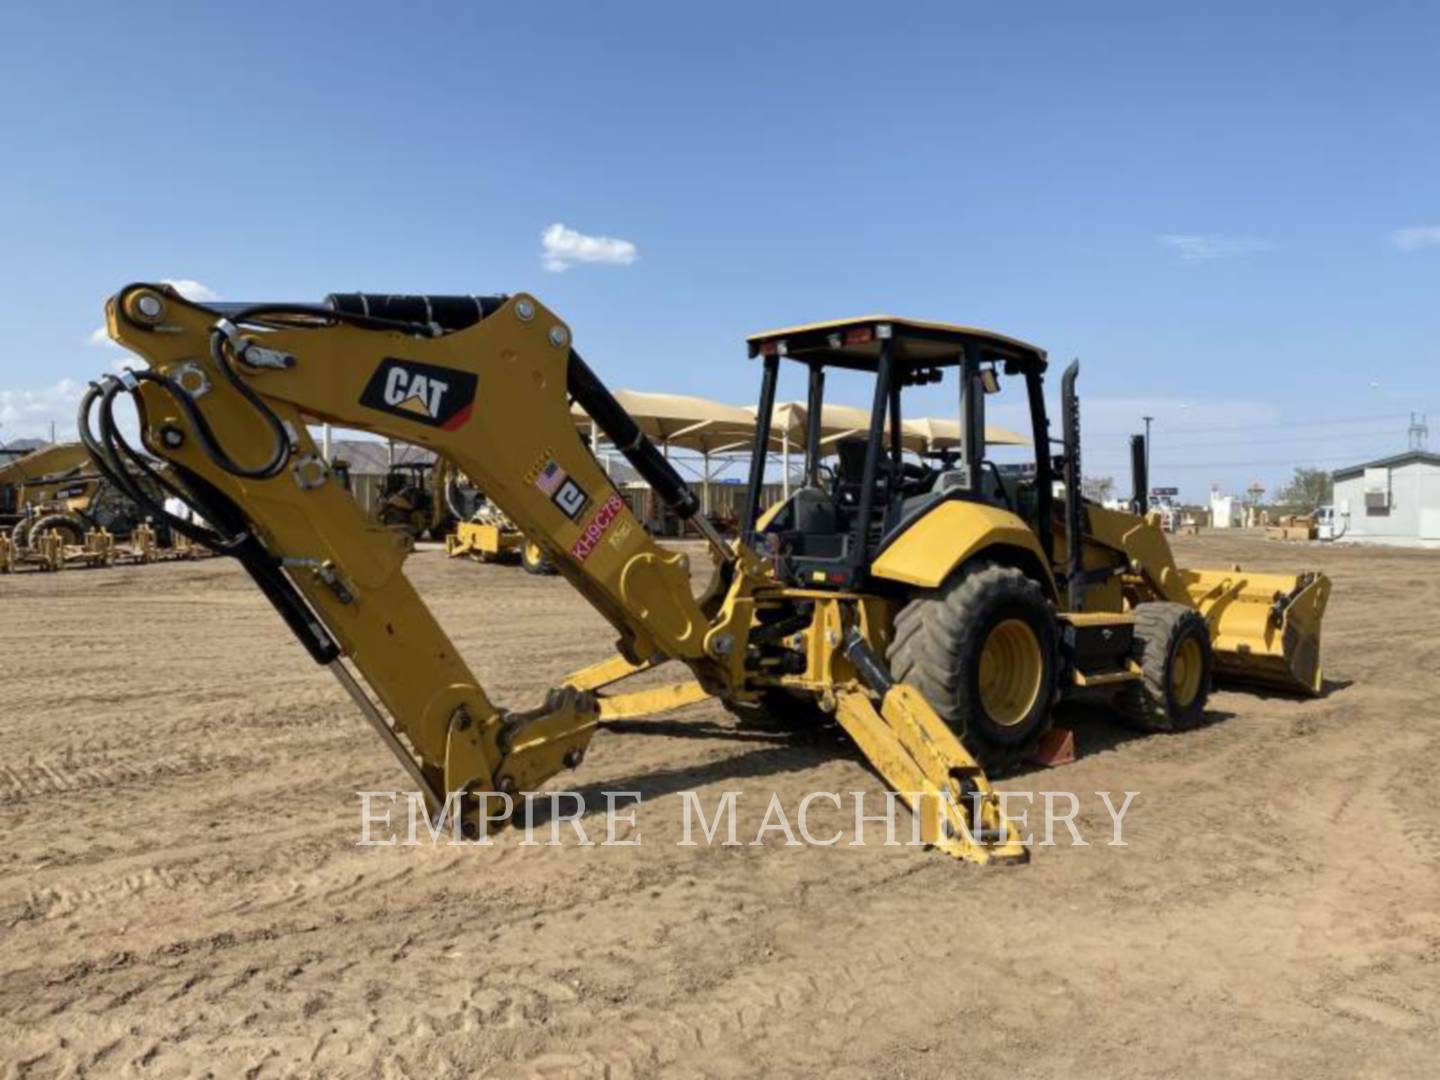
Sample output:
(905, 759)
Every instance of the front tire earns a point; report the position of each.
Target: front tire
(1172, 647)
(20, 534)
(983, 650)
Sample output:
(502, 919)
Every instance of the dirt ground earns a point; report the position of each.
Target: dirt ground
(181, 892)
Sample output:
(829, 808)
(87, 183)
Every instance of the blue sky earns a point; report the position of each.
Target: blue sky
(1233, 219)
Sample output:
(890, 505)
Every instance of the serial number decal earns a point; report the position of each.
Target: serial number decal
(599, 525)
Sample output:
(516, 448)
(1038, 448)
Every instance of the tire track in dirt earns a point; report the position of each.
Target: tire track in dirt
(223, 920)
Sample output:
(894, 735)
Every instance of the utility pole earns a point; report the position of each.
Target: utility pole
(1419, 432)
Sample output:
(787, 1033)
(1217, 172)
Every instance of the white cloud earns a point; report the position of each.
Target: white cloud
(186, 287)
(562, 247)
(1416, 236)
(1195, 247)
(191, 289)
(29, 413)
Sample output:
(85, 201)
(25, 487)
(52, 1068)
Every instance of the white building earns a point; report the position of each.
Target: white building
(1395, 500)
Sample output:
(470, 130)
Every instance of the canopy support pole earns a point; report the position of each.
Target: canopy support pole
(785, 464)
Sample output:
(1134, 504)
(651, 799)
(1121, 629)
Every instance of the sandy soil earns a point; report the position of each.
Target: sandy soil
(181, 892)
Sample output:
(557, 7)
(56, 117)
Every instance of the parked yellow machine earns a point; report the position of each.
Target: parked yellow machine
(54, 484)
(937, 610)
(491, 537)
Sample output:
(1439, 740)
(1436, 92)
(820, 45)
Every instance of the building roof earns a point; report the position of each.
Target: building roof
(371, 457)
(1409, 457)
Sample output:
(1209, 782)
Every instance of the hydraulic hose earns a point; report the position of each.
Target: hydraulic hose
(107, 450)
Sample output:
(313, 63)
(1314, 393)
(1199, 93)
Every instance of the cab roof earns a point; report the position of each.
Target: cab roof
(855, 343)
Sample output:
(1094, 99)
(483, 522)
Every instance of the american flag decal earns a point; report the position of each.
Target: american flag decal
(550, 478)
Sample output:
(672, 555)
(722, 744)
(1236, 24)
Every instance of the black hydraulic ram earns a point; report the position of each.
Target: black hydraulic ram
(620, 427)
(446, 312)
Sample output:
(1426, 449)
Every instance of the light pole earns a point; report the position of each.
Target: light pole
(1149, 476)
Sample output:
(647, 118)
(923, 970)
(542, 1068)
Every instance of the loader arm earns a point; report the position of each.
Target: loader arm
(486, 383)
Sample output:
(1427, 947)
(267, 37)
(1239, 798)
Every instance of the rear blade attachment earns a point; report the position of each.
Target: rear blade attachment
(1264, 628)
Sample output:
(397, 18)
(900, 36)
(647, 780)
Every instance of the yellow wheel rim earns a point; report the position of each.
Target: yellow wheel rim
(531, 553)
(1185, 670)
(1011, 669)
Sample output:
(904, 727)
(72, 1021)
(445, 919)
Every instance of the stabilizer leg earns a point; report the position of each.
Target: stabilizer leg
(920, 758)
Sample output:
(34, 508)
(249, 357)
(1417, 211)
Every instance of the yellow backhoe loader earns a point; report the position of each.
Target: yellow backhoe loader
(937, 613)
(412, 499)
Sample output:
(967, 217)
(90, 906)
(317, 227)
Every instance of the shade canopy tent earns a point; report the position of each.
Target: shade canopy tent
(940, 433)
(681, 422)
(684, 422)
(837, 422)
(713, 428)
(846, 421)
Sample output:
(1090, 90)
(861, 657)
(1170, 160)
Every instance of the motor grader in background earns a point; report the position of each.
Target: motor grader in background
(938, 615)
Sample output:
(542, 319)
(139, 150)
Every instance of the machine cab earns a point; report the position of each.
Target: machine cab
(863, 489)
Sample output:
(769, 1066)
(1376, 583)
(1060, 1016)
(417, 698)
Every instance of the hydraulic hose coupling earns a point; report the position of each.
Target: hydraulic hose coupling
(248, 352)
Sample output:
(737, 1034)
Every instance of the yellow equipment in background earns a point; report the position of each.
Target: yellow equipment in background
(412, 498)
(49, 487)
(489, 536)
(936, 609)
(1293, 527)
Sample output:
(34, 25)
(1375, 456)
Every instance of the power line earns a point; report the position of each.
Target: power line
(1286, 440)
(1299, 461)
(1262, 425)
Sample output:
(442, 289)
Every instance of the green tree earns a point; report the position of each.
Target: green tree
(1309, 488)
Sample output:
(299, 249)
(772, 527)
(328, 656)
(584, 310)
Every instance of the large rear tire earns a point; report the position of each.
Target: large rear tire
(1172, 647)
(71, 528)
(984, 651)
